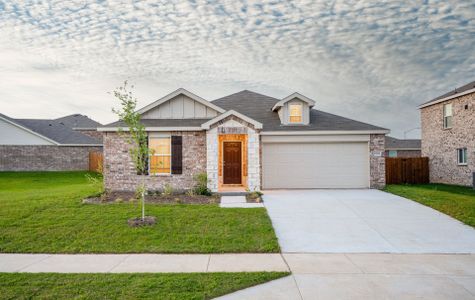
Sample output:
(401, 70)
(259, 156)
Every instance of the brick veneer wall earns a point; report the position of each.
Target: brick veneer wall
(441, 145)
(406, 153)
(44, 158)
(377, 161)
(120, 173)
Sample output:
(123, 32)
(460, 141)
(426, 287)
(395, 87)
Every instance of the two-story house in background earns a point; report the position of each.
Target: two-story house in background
(448, 136)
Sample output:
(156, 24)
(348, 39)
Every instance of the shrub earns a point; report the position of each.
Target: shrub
(201, 186)
(167, 190)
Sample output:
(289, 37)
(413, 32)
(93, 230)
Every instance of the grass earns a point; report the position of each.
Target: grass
(127, 286)
(455, 201)
(41, 212)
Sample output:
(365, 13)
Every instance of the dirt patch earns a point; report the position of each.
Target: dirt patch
(120, 197)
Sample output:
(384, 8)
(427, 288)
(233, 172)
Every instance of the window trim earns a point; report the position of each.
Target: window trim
(445, 117)
(169, 137)
(290, 114)
(462, 153)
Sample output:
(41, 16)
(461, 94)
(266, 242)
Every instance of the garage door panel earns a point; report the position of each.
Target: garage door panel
(315, 165)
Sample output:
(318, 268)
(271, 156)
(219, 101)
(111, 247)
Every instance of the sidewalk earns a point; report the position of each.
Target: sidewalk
(141, 263)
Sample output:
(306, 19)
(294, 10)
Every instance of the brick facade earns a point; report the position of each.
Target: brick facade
(120, 173)
(377, 161)
(44, 157)
(406, 153)
(441, 145)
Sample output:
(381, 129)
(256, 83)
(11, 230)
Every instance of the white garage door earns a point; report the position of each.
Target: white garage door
(315, 165)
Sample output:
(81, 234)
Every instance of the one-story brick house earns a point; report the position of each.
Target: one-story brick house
(448, 136)
(402, 147)
(247, 140)
(61, 144)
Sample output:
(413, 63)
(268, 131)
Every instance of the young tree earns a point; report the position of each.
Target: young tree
(135, 135)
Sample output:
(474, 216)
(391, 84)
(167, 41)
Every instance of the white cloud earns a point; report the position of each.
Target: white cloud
(362, 59)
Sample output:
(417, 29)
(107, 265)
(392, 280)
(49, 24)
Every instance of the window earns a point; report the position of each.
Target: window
(462, 156)
(448, 116)
(295, 113)
(392, 153)
(160, 158)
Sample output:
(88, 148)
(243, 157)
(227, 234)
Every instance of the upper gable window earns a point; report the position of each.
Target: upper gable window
(448, 116)
(295, 113)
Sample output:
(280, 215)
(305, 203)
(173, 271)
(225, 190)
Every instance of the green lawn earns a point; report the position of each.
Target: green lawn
(41, 212)
(455, 201)
(127, 286)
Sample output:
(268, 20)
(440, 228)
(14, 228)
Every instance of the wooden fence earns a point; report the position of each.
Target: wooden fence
(413, 170)
(95, 161)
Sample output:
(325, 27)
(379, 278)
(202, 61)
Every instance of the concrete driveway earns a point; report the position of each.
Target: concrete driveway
(362, 221)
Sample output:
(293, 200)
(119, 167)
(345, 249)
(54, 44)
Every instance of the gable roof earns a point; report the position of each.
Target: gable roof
(176, 93)
(231, 112)
(460, 91)
(53, 131)
(258, 107)
(281, 103)
(78, 121)
(392, 143)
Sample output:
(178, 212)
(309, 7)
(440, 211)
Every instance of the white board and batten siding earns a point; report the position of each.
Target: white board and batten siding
(180, 107)
(316, 162)
(13, 135)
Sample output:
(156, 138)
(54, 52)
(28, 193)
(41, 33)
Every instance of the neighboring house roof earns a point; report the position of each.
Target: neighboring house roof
(406, 144)
(78, 121)
(460, 91)
(259, 107)
(54, 131)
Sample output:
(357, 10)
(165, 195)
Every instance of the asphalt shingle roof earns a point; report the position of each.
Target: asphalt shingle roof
(78, 121)
(394, 143)
(55, 131)
(458, 90)
(258, 107)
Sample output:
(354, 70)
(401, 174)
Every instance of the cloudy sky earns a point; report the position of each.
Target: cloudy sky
(371, 61)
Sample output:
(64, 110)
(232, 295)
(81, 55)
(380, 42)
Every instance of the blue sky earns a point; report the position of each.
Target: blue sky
(371, 61)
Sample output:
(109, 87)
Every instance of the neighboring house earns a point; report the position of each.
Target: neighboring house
(402, 148)
(47, 145)
(448, 136)
(248, 140)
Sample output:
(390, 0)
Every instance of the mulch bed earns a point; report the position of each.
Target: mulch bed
(120, 197)
(253, 199)
(137, 222)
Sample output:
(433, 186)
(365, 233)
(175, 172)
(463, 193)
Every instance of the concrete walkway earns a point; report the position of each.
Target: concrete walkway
(370, 276)
(141, 263)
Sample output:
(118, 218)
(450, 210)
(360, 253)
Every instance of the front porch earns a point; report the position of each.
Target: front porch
(233, 155)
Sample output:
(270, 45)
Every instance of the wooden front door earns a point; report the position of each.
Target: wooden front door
(232, 162)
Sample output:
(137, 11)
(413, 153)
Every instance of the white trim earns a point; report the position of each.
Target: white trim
(165, 136)
(464, 155)
(30, 131)
(447, 98)
(281, 103)
(152, 129)
(325, 132)
(208, 124)
(176, 93)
